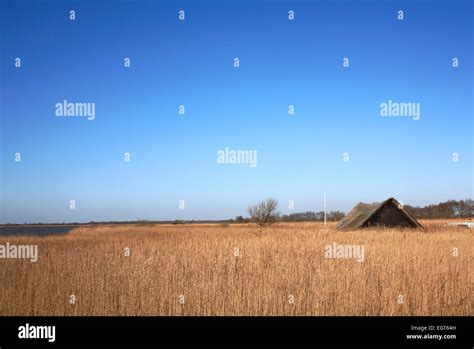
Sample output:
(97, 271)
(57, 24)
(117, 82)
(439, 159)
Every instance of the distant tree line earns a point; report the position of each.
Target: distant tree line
(312, 216)
(448, 209)
(308, 216)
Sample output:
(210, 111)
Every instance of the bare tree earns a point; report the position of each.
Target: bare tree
(264, 213)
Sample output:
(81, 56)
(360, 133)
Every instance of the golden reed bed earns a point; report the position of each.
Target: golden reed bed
(238, 270)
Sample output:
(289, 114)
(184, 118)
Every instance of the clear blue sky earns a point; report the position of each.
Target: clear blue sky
(283, 62)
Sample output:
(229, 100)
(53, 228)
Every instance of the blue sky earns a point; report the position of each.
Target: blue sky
(190, 63)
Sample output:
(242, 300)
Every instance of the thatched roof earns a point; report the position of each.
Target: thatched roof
(362, 213)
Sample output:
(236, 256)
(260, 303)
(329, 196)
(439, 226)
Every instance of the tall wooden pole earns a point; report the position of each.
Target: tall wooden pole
(324, 209)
